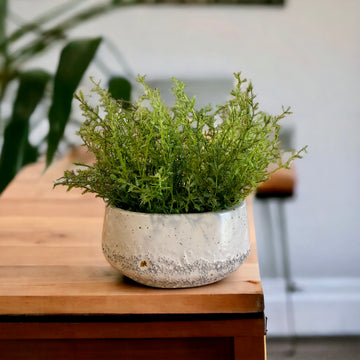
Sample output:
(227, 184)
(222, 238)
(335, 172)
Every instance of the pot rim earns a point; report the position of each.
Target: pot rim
(240, 204)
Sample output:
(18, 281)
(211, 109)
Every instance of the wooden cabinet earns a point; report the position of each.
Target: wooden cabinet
(59, 298)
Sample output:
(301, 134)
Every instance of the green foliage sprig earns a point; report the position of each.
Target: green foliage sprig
(153, 159)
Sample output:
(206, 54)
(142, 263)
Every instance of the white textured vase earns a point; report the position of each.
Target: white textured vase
(176, 250)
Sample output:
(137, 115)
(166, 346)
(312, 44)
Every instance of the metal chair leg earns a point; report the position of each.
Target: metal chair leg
(290, 286)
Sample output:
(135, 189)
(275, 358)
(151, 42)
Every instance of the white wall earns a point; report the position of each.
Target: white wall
(306, 55)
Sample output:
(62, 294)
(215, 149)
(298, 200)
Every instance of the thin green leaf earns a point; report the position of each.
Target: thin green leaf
(58, 32)
(35, 25)
(16, 150)
(74, 60)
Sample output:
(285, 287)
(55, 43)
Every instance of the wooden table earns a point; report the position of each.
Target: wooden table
(60, 299)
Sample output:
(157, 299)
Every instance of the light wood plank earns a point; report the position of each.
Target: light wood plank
(99, 272)
(87, 207)
(42, 232)
(131, 304)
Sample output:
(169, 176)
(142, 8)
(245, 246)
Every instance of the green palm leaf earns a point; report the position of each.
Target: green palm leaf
(74, 60)
(17, 151)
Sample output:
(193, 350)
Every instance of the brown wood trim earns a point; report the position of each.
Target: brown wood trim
(132, 330)
(134, 349)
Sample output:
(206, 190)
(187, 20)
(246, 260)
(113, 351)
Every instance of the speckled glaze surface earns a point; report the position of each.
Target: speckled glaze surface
(178, 250)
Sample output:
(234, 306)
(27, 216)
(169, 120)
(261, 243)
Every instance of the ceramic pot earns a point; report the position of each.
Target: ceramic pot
(176, 250)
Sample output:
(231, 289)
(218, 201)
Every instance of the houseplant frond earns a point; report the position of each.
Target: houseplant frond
(155, 159)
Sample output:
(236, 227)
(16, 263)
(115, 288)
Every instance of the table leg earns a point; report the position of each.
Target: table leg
(250, 348)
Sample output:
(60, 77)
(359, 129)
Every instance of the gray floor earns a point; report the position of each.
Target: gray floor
(329, 348)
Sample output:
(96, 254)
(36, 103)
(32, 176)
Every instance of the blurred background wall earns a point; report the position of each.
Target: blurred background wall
(305, 54)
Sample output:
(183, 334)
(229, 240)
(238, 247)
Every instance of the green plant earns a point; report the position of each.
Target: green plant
(36, 84)
(150, 158)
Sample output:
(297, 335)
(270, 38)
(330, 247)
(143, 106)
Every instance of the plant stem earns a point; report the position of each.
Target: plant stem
(35, 25)
(3, 13)
(57, 32)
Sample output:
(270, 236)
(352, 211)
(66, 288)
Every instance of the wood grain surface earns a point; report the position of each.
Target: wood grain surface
(51, 260)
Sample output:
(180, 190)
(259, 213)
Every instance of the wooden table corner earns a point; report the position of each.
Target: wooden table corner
(60, 298)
